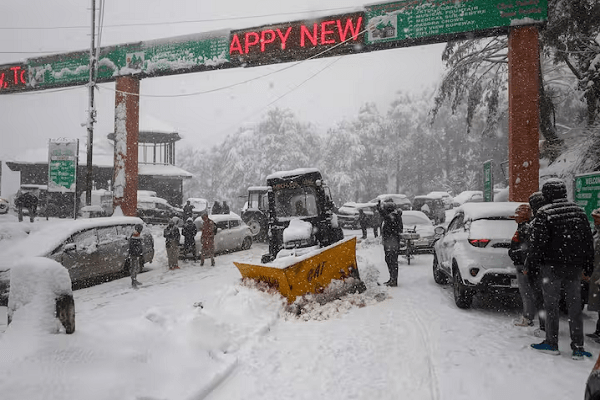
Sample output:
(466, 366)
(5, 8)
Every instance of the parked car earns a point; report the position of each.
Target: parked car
(4, 206)
(347, 214)
(412, 219)
(156, 210)
(447, 199)
(468, 196)
(400, 200)
(87, 248)
(232, 233)
(473, 251)
(432, 206)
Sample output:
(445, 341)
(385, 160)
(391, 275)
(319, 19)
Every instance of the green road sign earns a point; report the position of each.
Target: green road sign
(171, 56)
(436, 19)
(62, 165)
(587, 192)
(488, 181)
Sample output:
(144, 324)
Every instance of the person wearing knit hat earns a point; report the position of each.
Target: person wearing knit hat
(536, 200)
(562, 244)
(594, 292)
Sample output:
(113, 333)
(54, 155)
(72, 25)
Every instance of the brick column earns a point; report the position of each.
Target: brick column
(523, 112)
(125, 177)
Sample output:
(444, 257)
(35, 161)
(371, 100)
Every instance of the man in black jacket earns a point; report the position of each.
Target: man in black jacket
(390, 234)
(136, 253)
(562, 244)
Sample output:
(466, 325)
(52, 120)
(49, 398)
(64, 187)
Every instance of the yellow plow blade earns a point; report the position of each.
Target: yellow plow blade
(312, 273)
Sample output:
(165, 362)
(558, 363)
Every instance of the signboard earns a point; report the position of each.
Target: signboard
(297, 40)
(62, 165)
(171, 56)
(380, 26)
(488, 181)
(414, 21)
(587, 193)
(13, 78)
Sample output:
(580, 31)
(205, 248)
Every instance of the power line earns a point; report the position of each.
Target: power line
(174, 22)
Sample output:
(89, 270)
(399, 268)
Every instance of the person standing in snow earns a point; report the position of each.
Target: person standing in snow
(376, 222)
(189, 232)
(225, 208)
(216, 208)
(362, 221)
(390, 233)
(519, 248)
(136, 252)
(172, 237)
(30, 202)
(532, 270)
(208, 240)
(594, 292)
(561, 238)
(188, 211)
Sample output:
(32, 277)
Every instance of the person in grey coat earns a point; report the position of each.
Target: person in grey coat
(594, 292)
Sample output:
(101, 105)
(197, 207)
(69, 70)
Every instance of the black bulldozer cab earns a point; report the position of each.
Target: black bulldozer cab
(302, 194)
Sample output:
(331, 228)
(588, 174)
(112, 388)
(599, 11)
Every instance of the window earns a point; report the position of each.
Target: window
(234, 223)
(85, 239)
(107, 234)
(296, 202)
(222, 225)
(457, 222)
(126, 230)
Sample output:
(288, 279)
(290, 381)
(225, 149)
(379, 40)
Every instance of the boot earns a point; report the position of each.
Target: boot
(391, 283)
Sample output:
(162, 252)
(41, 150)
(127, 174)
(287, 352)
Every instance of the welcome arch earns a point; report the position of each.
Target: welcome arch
(374, 27)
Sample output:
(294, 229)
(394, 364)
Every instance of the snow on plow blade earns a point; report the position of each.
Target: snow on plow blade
(294, 276)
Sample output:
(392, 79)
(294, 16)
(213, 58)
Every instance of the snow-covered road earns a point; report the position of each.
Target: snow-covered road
(198, 333)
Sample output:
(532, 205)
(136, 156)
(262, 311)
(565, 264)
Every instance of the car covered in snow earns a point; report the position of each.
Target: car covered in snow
(232, 233)
(347, 214)
(473, 251)
(447, 199)
(468, 196)
(87, 248)
(432, 206)
(418, 221)
(156, 210)
(401, 201)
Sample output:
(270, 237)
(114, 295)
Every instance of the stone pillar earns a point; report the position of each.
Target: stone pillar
(523, 112)
(125, 177)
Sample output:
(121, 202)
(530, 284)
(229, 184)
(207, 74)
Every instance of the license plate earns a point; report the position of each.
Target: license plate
(514, 283)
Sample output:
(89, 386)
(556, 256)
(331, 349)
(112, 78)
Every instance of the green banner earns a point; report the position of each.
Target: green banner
(587, 192)
(488, 181)
(404, 20)
(62, 165)
(153, 58)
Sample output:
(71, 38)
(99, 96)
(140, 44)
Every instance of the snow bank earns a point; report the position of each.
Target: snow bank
(36, 282)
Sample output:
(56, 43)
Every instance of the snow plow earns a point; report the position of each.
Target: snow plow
(307, 249)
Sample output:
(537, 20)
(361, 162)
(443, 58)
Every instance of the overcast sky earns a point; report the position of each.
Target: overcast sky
(339, 88)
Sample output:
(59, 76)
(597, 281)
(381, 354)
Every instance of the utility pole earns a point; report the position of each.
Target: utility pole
(92, 110)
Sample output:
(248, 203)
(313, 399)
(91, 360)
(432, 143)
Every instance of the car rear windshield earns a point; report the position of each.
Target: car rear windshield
(415, 220)
(497, 228)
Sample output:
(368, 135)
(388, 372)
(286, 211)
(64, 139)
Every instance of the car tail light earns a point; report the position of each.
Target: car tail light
(479, 242)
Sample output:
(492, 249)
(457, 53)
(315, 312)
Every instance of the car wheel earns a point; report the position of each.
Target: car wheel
(463, 297)
(438, 276)
(247, 243)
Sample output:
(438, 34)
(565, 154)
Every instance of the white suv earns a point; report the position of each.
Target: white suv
(473, 251)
